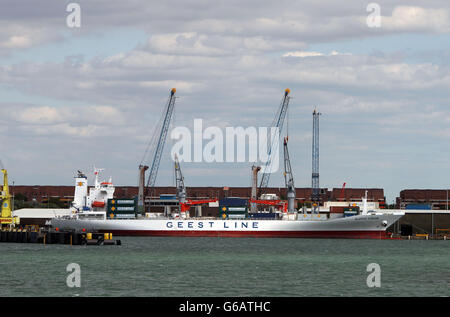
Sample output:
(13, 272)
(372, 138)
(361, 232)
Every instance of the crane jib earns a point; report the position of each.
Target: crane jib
(278, 123)
(162, 140)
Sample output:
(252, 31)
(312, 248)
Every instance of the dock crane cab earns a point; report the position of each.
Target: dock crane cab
(6, 218)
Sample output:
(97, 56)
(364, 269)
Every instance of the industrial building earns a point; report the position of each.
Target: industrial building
(433, 199)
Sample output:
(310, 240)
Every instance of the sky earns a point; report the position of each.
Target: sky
(75, 97)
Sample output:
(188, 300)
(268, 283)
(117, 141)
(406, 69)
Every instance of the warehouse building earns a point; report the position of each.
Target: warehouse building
(434, 199)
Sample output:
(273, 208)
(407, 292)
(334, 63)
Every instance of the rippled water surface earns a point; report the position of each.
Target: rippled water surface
(150, 266)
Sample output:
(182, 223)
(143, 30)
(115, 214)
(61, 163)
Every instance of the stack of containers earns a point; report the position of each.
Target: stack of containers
(233, 208)
(122, 208)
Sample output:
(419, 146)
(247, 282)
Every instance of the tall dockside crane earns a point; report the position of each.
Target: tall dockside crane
(161, 140)
(277, 123)
(315, 197)
(179, 180)
(289, 179)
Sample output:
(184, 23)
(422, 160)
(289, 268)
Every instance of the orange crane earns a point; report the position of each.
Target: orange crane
(277, 202)
(185, 204)
(184, 207)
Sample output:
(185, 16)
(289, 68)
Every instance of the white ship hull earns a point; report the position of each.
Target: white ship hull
(360, 226)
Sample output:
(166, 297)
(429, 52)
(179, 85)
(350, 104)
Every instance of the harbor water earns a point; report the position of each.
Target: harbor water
(152, 266)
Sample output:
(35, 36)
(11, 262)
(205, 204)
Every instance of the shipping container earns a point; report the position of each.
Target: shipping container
(263, 215)
(418, 206)
(122, 208)
(167, 197)
(337, 209)
(121, 216)
(233, 202)
(350, 213)
(237, 216)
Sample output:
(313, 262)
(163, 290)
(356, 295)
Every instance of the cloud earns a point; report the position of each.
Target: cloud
(303, 54)
(218, 27)
(413, 18)
(85, 122)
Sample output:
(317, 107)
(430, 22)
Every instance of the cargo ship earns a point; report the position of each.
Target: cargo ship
(364, 226)
(88, 215)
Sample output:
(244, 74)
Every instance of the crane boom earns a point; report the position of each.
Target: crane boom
(342, 195)
(289, 178)
(162, 139)
(277, 123)
(179, 179)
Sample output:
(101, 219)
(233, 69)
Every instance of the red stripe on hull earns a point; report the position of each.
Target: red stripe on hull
(255, 234)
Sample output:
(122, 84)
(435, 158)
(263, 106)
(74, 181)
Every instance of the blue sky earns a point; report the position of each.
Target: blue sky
(72, 98)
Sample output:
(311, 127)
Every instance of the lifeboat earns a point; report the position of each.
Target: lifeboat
(98, 204)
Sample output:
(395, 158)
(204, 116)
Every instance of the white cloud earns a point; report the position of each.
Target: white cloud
(413, 18)
(40, 115)
(17, 41)
(311, 54)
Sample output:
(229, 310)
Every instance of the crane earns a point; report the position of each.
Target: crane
(141, 195)
(6, 212)
(342, 195)
(289, 178)
(162, 139)
(185, 204)
(255, 171)
(277, 123)
(184, 207)
(167, 117)
(179, 180)
(315, 163)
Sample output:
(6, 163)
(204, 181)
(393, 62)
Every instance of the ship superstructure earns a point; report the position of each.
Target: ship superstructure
(93, 199)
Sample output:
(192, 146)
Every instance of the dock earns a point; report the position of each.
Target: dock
(56, 237)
